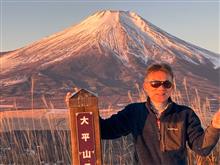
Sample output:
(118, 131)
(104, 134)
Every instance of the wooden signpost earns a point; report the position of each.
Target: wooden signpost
(84, 126)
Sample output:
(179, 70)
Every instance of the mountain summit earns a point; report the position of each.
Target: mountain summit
(106, 53)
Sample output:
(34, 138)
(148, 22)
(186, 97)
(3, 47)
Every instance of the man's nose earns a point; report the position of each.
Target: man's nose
(162, 88)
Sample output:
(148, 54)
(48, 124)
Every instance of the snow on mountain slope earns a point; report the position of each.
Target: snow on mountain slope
(123, 33)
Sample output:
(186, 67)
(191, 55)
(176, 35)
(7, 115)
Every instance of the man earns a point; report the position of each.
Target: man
(160, 127)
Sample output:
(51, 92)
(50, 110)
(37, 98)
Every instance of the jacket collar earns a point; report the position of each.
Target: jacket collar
(168, 110)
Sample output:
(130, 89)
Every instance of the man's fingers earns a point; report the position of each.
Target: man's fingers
(216, 120)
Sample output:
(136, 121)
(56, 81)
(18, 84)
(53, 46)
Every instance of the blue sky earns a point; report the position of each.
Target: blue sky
(27, 21)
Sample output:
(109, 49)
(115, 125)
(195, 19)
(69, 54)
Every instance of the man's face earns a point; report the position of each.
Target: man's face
(160, 94)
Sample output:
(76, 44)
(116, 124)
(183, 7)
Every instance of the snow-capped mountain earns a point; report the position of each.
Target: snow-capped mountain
(106, 53)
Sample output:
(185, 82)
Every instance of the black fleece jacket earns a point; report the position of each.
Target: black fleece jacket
(164, 145)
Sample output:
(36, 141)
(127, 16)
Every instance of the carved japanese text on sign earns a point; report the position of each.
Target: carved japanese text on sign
(86, 138)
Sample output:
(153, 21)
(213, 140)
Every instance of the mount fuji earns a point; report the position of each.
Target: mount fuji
(106, 53)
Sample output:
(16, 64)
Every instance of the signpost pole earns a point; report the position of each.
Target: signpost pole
(84, 127)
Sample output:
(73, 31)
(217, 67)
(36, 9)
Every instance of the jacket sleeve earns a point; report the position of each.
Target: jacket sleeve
(117, 125)
(199, 140)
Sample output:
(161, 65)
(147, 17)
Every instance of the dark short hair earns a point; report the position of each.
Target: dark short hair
(159, 67)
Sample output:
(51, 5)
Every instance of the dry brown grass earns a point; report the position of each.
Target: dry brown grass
(42, 136)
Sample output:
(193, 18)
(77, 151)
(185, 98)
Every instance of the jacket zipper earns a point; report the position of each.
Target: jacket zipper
(162, 137)
(161, 134)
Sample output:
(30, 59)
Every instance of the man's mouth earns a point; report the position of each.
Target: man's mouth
(161, 94)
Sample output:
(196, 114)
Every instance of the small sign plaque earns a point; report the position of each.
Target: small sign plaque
(86, 138)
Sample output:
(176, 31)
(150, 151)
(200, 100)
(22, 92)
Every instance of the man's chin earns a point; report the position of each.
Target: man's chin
(161, 99)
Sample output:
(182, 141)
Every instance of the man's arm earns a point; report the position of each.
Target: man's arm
(117, 125)
(200, 141)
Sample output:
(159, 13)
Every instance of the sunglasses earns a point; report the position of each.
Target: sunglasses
(156, 84)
